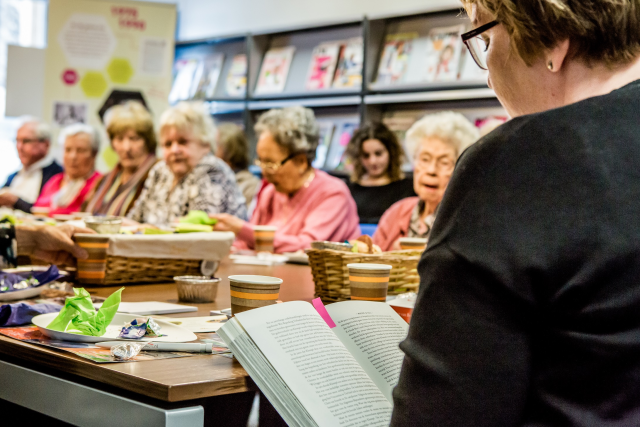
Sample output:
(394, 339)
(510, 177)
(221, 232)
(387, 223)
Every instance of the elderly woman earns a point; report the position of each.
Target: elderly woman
(529, 295)
(304, 204)
(130, 129)
(65, 192)
(435, 142)
(233, 148)
(377, 181)
(190, 177)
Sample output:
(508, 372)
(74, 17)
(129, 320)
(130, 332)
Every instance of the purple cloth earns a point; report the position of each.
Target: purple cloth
(22, 313)
(8, 280)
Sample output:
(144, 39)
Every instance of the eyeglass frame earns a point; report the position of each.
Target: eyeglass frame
(475, 33)
(275, 166)
(29, 140)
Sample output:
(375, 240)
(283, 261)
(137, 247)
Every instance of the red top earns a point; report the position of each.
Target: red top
(53, 186)
(394, 224)
(323, 211)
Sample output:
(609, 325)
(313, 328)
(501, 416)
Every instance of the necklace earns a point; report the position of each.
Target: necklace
(308, 181)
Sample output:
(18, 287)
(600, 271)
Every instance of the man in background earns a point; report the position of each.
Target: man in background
(23, 187)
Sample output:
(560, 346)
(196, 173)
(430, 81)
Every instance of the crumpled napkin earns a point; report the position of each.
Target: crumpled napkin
(198, 217)
(10, 282)
(79, 315)
(21, 313)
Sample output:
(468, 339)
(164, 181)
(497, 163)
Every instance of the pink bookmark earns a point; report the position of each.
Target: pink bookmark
(322, 311)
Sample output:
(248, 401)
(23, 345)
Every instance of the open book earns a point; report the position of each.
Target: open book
(316, 375)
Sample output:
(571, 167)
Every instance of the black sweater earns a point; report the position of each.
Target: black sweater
(372, 202)
(529, 303)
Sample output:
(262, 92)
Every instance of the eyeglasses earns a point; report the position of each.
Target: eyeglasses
(443, 164)
(272, 167)
(477, 45)
(29, 140)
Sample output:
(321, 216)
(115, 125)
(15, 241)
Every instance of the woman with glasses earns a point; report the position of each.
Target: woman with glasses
(190, 177)
(529, 296)
(304, 204)
(435, 142)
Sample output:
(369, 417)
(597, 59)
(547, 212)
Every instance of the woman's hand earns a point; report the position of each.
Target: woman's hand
(228, 222)
(50, 243)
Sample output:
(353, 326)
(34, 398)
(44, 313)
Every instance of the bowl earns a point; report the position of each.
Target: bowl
(104, 224)
(197, 288)
(336, 246)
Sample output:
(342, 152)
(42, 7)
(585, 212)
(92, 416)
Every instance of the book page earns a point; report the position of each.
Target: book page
(316, 366)
(372, 331)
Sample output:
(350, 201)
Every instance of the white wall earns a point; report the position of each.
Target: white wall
(199, 19)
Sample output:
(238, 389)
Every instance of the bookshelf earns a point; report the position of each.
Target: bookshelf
(399, 103)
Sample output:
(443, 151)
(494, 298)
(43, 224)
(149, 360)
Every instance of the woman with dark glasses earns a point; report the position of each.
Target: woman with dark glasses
(530, 292)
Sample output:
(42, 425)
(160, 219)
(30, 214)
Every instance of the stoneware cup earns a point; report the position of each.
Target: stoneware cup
(264, 235)
(249, 292)
(413, 243)
(93, 269)
(369, 282)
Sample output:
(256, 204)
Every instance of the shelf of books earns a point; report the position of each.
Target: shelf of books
(393, 69)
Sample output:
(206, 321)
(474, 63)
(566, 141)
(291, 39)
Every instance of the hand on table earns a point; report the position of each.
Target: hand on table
(7, 199)
(50, 243)
(228, 222)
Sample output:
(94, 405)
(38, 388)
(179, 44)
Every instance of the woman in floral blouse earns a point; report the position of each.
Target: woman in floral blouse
(190, 177)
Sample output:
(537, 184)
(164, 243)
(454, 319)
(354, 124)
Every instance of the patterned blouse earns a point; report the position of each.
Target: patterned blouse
(418, 228)
(210, 187)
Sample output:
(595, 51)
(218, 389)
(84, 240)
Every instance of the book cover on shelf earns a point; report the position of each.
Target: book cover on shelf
(274, 70)
(395, 58)
(349, 72)
(184, 83)
(211, 68)
(326, 133)
(332, 369)
(442, 56)
(237, 78)
(323, 65)
(337, 158)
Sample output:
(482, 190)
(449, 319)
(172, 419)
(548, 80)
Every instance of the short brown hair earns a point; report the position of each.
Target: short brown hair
(234, 145)
(382, 133)
(131, 115)
(601, 31)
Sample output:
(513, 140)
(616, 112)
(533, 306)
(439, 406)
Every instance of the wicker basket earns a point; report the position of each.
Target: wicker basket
(148, 270)
(331, 275)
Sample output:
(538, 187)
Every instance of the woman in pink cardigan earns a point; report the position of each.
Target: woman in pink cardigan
(435, 141)
(304, 204)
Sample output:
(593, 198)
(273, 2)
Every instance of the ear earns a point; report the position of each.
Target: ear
(555, 57)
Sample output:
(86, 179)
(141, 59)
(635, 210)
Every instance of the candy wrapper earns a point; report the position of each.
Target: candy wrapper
(139, 328)
(126, 351)
(79, 315)
(10, 282)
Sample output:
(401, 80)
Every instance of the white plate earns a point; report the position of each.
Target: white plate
(297, 258)
(29, 292)
(174, 333)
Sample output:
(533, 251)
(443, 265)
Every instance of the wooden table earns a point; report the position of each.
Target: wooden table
(170, 382)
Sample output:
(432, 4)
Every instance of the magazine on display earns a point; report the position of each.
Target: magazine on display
(274, 70)
(323, 66)
(237, 78)
(337, 152)
(349, 72)
(442, 56)
(394, 61)
(184, 83)
(332, 369)
(208, 73)
(326, 134)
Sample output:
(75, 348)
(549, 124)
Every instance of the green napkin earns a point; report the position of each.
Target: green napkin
(198, 217)
(193, 228)
(78, 316)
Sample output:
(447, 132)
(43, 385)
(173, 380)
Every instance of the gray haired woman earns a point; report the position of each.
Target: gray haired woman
(303, 203)
(435, 142)
(65, 192)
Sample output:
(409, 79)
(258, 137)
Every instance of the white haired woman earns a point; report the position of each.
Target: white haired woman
(304, 204)
(190, 177)
(65, 192)
(435, 141)
(529, 294)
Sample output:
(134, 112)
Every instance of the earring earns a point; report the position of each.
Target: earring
(550, 65)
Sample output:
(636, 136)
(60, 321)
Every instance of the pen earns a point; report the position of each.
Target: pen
(164, 346)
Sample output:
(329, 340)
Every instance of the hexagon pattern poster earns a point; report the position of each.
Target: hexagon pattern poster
(101, 53)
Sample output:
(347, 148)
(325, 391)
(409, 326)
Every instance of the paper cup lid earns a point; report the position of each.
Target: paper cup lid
(265, 228)
(256, 280)
(370, 266)
(413, 240)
